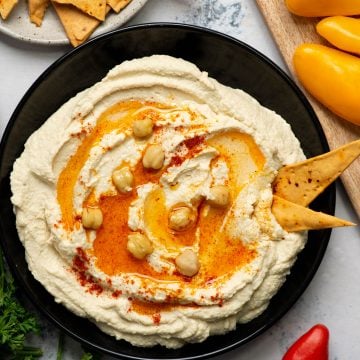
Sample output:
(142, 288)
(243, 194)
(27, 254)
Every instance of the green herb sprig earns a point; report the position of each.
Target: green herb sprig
(15, 321)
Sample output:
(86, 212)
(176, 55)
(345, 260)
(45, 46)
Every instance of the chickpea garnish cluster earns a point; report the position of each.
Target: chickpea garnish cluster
(180, 217)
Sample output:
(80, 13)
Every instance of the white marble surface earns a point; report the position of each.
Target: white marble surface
(333, 296)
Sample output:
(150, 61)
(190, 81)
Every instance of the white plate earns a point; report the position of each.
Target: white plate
(51, 32)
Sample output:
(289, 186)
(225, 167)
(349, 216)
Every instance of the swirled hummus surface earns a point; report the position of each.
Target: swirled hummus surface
(211, 136)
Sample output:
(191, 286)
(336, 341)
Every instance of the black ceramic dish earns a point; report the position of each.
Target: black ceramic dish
(225, 59)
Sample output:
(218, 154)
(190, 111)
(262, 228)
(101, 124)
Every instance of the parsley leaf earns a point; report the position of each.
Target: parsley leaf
(90, 355)
(15, 321)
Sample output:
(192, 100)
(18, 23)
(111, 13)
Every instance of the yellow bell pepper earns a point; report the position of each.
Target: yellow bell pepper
(342, 32)
(323, 7)
(332, 77)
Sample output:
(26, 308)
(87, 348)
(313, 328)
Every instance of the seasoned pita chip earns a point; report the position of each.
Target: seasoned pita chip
(94, 8)
(293, 217)
(117, 5)
(6, 7)
(78, 26)
(37, 10)
(302, 182)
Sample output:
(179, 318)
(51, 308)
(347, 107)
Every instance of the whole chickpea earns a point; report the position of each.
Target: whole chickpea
(219, 196)
(123, 179)
(139, 245)
(92, 217)
(142, 128)
(187, 263)
(154, 157)
(181, 218)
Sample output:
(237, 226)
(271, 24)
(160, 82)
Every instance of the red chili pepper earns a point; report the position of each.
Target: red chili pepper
(313, 345)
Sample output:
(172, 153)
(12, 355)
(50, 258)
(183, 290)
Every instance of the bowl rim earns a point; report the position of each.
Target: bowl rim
(92, 42)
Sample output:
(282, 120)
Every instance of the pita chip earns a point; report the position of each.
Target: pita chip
(37, 10)
(78, 26)
(302, 182)
(6, 7)
(293, 217)
(94, 8)
(117, 5)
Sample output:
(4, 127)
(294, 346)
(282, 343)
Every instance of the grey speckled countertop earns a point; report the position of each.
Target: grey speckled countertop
(332, 297)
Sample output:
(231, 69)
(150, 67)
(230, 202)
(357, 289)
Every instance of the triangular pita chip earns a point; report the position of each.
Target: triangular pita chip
(302, 182)
(293, 217)
(6, 7)
(117, 5)
(37, 10)
(78, 26)
(94, 8)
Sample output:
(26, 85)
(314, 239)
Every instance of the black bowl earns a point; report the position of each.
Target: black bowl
(232, 63)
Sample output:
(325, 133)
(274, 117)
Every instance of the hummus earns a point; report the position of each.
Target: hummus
(210, 135)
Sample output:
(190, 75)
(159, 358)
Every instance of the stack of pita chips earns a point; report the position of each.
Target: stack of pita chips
(78, 17)
(297, 185)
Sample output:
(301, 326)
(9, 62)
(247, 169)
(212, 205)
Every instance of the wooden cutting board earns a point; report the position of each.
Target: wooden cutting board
(289, 31)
